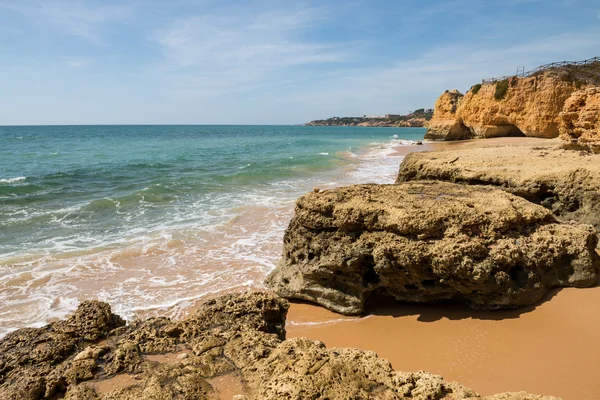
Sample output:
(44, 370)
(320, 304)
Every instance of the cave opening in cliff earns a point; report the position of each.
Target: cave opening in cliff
(513, 131)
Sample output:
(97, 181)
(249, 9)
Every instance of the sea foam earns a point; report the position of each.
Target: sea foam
(13, 180)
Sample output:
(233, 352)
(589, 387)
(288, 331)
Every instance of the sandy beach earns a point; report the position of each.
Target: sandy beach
(550, 349)
(547, 349)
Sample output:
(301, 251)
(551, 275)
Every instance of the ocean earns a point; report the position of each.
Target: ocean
(154, 218)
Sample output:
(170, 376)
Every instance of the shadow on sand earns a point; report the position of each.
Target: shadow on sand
(449, 310)
(452, 310)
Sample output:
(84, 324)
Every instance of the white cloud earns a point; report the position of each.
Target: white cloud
(417, 82)
(78, 62)
(76, 17)
(209, 54)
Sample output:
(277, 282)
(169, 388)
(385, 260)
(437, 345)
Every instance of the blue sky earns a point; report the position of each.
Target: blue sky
(267, 62)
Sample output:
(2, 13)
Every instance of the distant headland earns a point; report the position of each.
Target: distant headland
(417, 118)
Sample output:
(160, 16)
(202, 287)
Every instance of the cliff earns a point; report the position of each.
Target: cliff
(417, 118)
(580, 119)
(445, 124)
(555, 102)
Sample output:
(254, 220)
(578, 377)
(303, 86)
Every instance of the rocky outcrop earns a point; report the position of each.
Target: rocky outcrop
(445, 124)
(91, 356)
(417, 118)
(565, 182)
(34, 362)
(529, 106)
(388, 123)
(580, 119)
(429, 241)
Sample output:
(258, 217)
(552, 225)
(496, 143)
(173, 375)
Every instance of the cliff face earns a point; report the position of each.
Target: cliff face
(555, 102)
(412, 122)
(580, 119)
(445, 124)
(417, 118)
(530, 107)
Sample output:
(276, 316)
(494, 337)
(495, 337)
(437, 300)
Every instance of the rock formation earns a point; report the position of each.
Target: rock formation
(445, 124)
(580, 119)
(92, 356)
(429, 241)
(529, 106)
(417, 118)
(565, 182)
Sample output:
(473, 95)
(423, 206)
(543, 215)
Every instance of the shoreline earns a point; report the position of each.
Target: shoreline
(168, 273)
(545, 349)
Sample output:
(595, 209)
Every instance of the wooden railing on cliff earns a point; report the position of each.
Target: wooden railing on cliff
(522, 74)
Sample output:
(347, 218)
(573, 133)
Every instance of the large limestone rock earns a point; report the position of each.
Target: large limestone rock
(429, 241)
(565, 182)
(580, 119)
(233, 344)
(445, 125)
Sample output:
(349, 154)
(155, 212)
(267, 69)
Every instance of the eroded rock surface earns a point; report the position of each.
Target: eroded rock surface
(556, 101)
(445, 124)
(564, 181)
(530, 107)
(92, 356)
(429, 241)
(580, 119)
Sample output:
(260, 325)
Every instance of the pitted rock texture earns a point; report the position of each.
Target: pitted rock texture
(580, 119)
(239, 335)
(565, 182)
(426, 242)
(531, 107)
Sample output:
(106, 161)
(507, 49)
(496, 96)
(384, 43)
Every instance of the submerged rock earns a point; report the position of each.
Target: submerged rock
(429, 241)
(240, 336)
(565, 182)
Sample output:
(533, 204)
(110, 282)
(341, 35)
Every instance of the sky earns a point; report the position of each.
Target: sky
(268, 62)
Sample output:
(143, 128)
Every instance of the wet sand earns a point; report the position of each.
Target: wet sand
(551, 349)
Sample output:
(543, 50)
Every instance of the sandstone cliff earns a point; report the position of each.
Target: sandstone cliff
(580, 119)
(426, 242)
(531, 106)
(234, 344)
(445, 124)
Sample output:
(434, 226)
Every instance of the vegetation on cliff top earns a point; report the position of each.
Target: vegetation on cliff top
(579, 74)
(501, 89)
(475, 88)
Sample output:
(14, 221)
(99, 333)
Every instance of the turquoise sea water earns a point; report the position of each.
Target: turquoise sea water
(147, 217)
